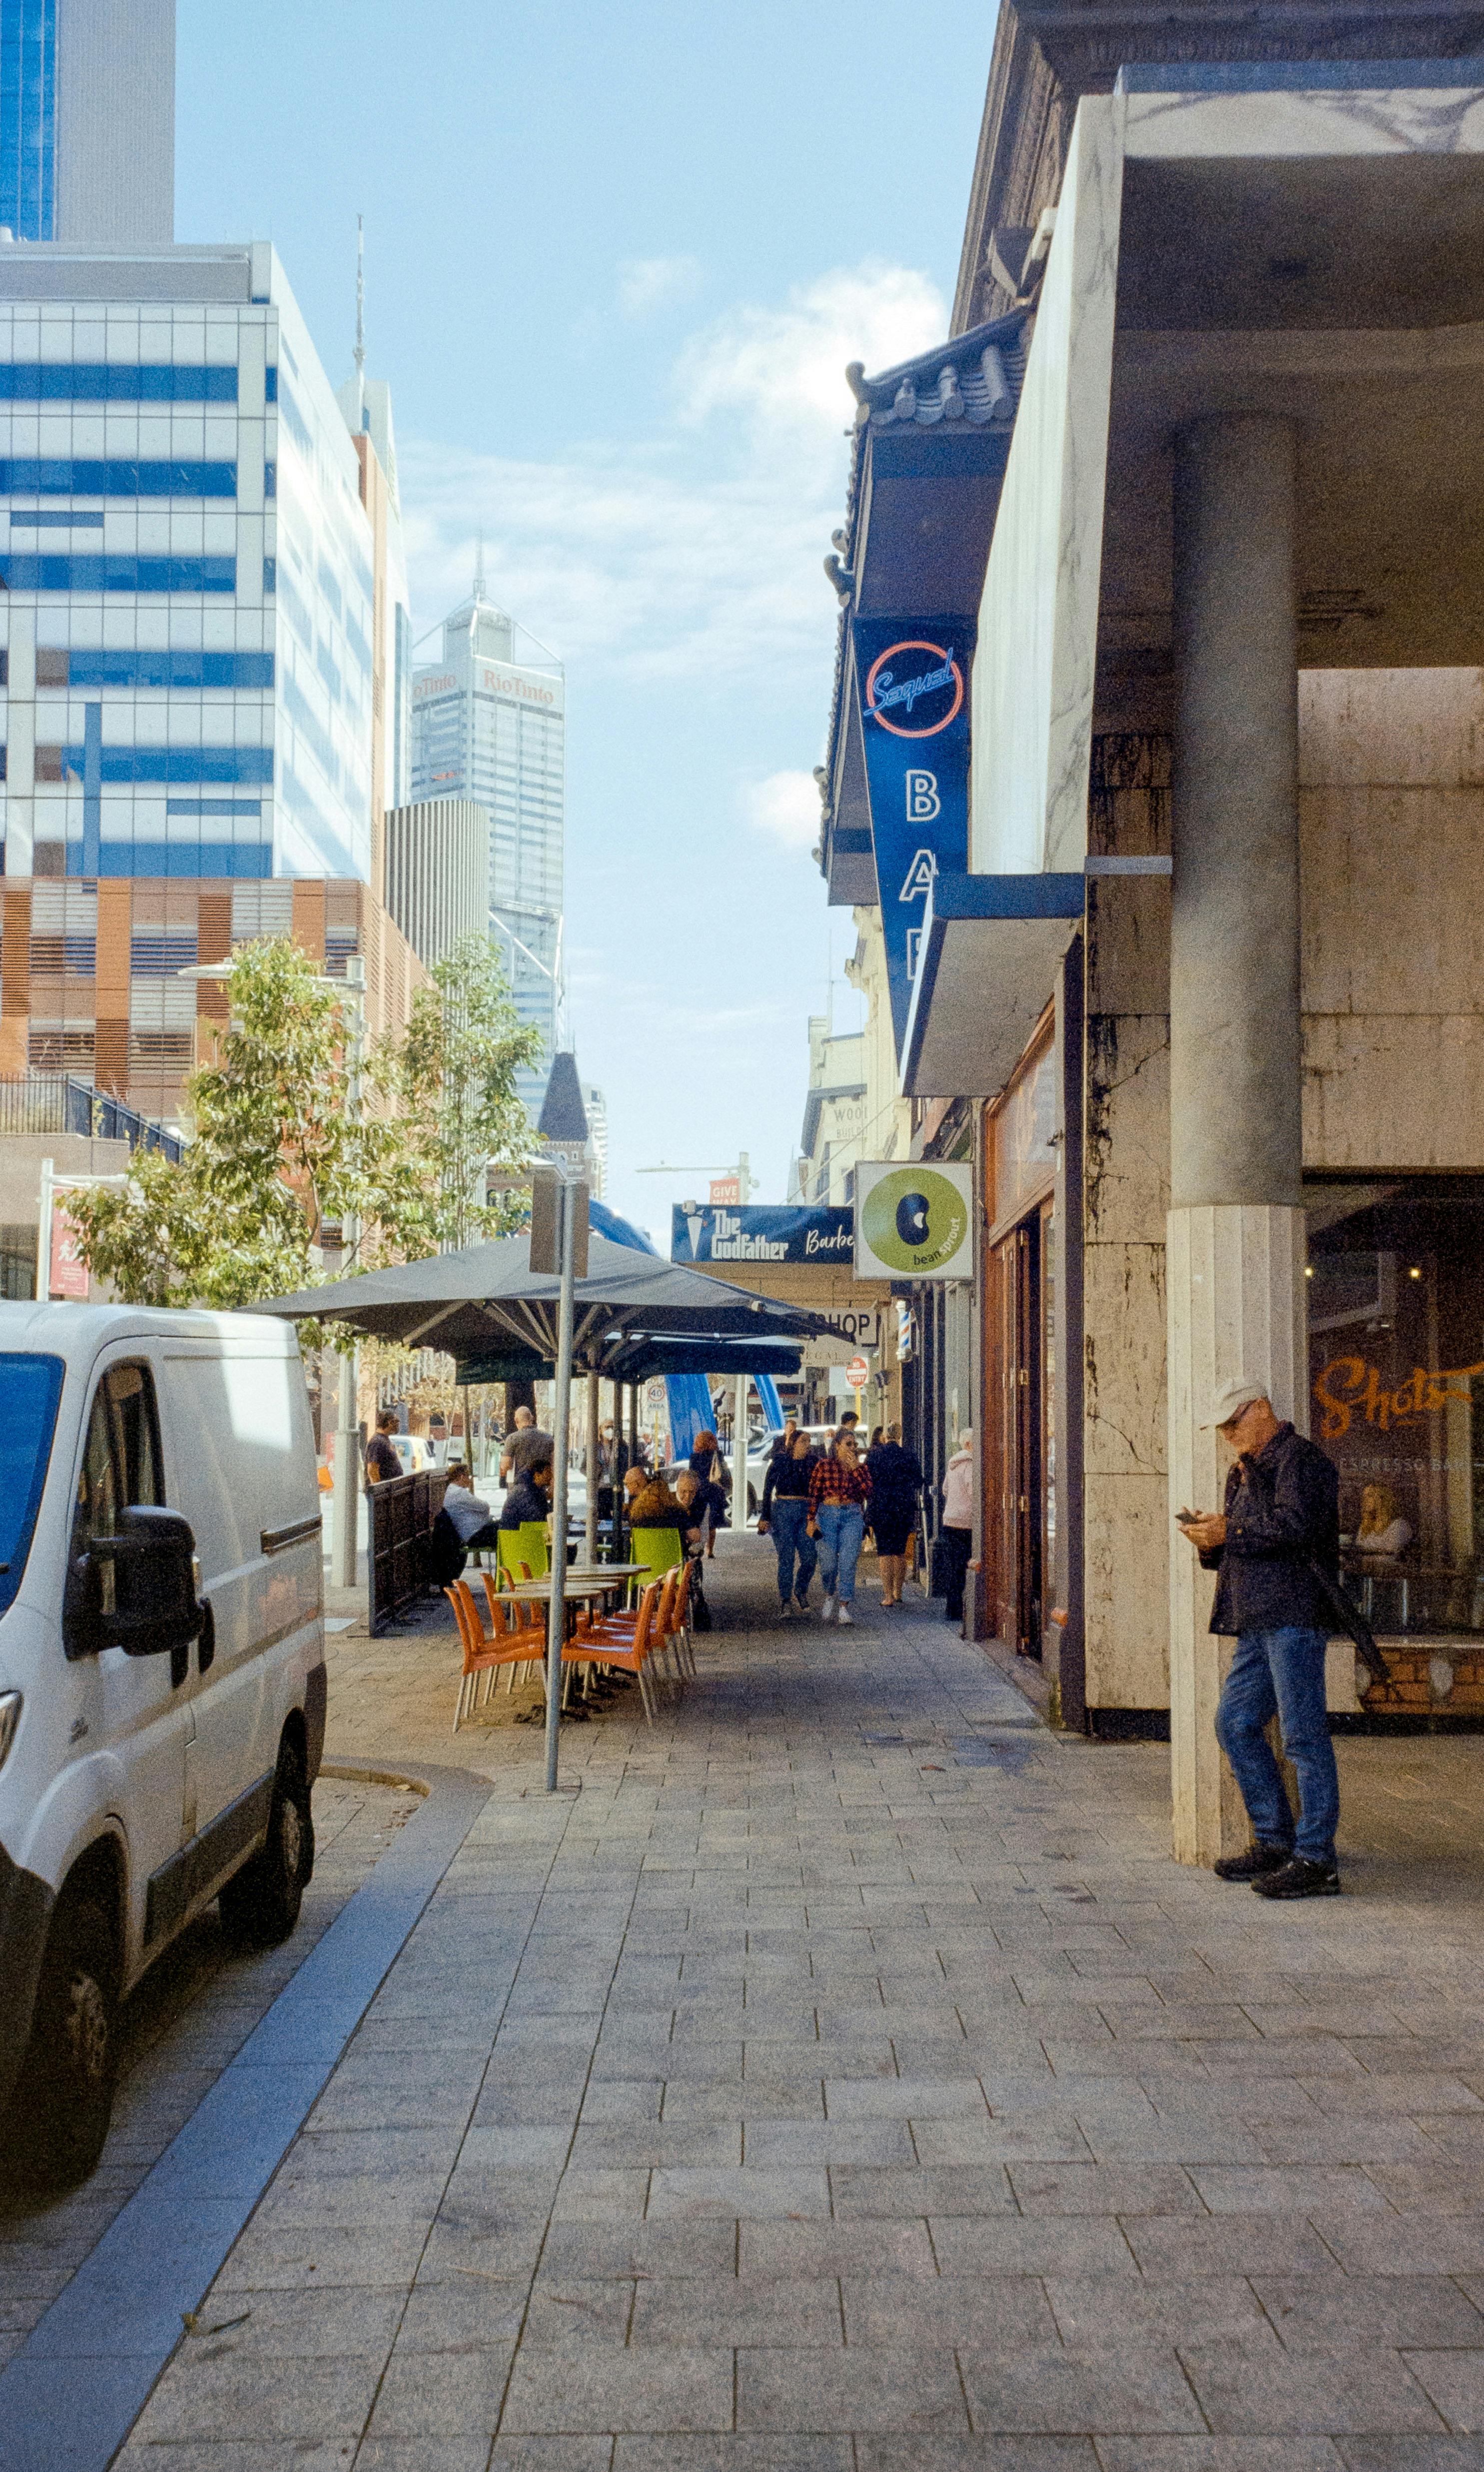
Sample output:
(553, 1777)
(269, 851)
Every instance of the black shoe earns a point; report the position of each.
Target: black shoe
(1299, 1878)
(1254, 1863)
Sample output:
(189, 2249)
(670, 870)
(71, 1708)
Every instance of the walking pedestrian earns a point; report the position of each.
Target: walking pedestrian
(527, 1448)
(839, 1489)
(955, 1537)
(705, 1466)
(896, 1481)
(785, 1515)
(1273, 1544)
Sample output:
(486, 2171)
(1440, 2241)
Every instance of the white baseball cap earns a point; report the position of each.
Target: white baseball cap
(1229, 1400)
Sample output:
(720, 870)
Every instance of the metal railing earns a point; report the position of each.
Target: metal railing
(56, 1102)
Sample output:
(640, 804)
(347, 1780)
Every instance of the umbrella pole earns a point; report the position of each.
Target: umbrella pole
(592, 1469)
(556, 1618)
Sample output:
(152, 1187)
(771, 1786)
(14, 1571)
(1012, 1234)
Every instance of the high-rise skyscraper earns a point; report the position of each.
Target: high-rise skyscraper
(490, 727)
(87, 121)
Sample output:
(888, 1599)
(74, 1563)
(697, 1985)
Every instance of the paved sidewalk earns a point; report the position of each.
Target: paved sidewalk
(180, 2028)
(842, 2075)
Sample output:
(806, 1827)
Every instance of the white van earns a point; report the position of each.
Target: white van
(163, 1681)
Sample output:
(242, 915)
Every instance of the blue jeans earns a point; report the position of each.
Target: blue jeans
(1282, 1672)
(841, 1528)
(788, 1519)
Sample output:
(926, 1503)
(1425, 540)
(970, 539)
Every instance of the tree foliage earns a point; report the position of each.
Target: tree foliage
(281, 1153)
(450, 1079)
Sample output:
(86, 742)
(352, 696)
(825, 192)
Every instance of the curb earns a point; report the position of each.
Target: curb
(71, 2395)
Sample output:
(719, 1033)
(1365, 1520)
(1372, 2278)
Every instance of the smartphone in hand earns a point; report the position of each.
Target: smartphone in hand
(1184, 1518)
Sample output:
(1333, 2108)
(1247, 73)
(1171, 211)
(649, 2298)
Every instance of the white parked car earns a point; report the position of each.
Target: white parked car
(162, 1679)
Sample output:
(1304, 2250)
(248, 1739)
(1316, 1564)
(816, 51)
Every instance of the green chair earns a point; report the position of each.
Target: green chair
(658, 1548)
(524, 1544)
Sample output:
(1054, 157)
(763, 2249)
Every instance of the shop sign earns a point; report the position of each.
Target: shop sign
(1348, 1388)
(914, 1221)
(761, 1232)
(912, 676)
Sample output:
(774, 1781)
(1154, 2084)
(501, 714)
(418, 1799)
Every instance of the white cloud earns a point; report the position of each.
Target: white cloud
(649, 283)
(696, 553)
(786, 367)
(786, 807)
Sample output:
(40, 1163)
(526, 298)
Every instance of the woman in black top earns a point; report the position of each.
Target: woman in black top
(784, 1513)
(896, 1481)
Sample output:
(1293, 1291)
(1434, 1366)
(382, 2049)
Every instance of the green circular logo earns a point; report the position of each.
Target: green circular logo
(915, 1220)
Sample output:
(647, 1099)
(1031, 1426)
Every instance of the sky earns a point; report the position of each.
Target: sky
(618, 256)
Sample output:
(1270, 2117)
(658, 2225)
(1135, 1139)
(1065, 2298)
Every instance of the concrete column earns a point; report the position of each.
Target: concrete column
(1236, 1243)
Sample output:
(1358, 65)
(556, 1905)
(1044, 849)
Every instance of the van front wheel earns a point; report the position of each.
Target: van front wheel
(260, 1904)
(65, 2098)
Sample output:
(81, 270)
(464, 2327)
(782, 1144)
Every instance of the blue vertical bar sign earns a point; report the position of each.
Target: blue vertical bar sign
(912, 679)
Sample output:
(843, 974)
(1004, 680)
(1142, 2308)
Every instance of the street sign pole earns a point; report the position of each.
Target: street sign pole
(740, 1457)
(44, 1231)
(557, 1611)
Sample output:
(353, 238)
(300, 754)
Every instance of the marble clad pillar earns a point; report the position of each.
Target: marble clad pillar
(1236, 1235)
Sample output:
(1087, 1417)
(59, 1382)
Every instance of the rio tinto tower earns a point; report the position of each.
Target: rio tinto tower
(490, 727)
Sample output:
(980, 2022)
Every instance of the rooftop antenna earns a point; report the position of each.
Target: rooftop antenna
(361, 421)
(478, 567)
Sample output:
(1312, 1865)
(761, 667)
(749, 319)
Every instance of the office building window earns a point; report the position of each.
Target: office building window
(115, 381)
(29, 571)
(85, 476)
(28, 117)
(89, 667)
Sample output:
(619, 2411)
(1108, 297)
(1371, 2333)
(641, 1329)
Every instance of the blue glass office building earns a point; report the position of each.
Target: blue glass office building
(28, 117)
(187, 612)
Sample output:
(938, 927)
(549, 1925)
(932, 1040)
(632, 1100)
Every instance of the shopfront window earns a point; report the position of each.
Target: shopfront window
(1395, 1346)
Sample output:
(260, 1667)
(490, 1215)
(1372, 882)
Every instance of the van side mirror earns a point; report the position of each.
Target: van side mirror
(156, 1606)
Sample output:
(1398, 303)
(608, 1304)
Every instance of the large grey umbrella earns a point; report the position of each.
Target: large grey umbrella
(485, 1298)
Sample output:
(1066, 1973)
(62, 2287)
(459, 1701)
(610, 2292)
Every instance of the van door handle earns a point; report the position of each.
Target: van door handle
(206, 1640)
(278, 1540)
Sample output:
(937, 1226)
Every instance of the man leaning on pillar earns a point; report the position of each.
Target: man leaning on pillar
(1281, 1518)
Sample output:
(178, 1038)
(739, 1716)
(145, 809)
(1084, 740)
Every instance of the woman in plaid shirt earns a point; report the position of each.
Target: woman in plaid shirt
(838, 1492)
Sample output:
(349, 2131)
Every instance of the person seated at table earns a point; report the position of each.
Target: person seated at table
(692, 1512)
(651, 1503)
(472, 1518)
(528, 1499)
(1383, 1531)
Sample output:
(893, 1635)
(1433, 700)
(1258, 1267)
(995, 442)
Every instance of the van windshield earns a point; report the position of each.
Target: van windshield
(30, 1388)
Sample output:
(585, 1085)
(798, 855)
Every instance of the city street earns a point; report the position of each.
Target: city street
(843, 2075)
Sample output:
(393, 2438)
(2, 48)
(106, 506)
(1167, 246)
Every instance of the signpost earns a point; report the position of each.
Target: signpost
(559, 1245)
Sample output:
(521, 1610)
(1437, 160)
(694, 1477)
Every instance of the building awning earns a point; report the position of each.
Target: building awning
(987, 968)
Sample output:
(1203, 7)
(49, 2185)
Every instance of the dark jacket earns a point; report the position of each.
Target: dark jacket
(524, 1502)
(896, 1480)
(1275, 1520)
(786, 1480)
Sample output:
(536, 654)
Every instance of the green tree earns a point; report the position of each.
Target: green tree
(281, 1153)
(450, 1081)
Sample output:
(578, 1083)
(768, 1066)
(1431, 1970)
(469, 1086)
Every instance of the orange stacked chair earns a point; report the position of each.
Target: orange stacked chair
(625, 1643)
(483, 1655)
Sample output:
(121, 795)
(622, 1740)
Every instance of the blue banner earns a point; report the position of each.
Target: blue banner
(913, 680)
(688, 1395)
(763, 1232)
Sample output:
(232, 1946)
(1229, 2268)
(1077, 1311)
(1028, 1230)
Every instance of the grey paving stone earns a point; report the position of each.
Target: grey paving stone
(834, 2390)
(1240, 2189)
(1095, 2310)
(1314, 2314)
(443, 2393)
(747, 2195)
(976, 2189)
(905, 2310)
(546, 2455)
(1288, 2454)
(1454, 2382)
(1077, 2392)
(240, 2396)
(1027, 2453)
(1252, 2384)
(737, 2452)
(1415, 2243)
(1048, 2245)
(684, 2246)
(770, 2249)
(1103, 2189)
(791, 2310)
(606, 2388)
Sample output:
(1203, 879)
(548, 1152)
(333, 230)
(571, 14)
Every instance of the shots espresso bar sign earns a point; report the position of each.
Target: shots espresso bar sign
(914, 1221)
(912, 678)
(761, 1232)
